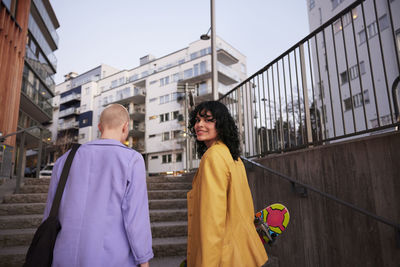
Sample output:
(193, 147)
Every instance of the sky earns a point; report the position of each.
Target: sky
(119, 32)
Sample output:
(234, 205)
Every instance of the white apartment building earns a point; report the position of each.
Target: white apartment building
(350, 75)
(154, 96)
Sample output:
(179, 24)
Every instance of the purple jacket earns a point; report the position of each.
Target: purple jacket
(104, 211)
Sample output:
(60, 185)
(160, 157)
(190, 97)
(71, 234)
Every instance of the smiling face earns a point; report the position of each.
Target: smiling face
(205, 128)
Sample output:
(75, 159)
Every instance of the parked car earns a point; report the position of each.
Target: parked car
(46, 171)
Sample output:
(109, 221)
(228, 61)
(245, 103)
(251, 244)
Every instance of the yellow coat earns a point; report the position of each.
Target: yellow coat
(221, 231)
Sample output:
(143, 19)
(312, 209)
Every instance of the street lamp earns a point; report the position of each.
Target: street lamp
(214, 72)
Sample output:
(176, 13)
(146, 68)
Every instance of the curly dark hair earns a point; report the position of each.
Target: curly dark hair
(225, 126)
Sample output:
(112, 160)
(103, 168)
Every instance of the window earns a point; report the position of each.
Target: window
(153, 99)
(176, 134)
(153, 82)
(175, 77)
(321, 89)
(372, 29)
(134, 77)
(383, 22)
(193, 55)
(166, 158)
(201, 88)
(205, 51)
(181, 61)
(175, 115)
(188, 73)
(165, 136)
(122, 80)
(164, 81)
(114, 83)
(361, 36)
(312, 4)
(164, 99)
(164, 117)
(335, 3)
(357, 101)
(178, 157)
(152, 135)
(81, 136)
(154, 157)
(343, 77)
(144, 73)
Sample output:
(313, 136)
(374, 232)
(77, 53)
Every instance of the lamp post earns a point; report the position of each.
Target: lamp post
(214, 72)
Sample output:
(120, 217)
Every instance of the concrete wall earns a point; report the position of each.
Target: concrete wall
(321, 232)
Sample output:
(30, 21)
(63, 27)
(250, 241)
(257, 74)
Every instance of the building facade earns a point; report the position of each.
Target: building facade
(154, 94)
(28, 109)
(13, 29)
(355, 64)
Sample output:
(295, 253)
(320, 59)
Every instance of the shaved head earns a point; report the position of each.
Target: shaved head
(113, 116)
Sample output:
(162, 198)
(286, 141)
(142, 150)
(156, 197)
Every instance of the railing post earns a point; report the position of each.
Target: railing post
(39, 159)
(240, 119)
(305, 95)
(20, 163)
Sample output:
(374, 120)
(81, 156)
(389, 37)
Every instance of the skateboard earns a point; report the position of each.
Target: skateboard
(271, 221)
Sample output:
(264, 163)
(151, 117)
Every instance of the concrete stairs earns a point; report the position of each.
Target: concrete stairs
(21, 214)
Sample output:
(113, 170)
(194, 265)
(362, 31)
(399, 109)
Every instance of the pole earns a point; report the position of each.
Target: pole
(186, 127)
(214, 71)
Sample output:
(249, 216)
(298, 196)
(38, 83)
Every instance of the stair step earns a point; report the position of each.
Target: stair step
(16, 237)
(30, 189)
(20, 221)
(169, 229)
(165, 194)
(170, 246)
(173, 179)
(180, 203)
(26, 198)
(168, 215)
(168, 186)
(36, 181)
(13, 256)
(22, 208)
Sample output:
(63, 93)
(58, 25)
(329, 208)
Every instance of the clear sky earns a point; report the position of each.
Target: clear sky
(119, 32)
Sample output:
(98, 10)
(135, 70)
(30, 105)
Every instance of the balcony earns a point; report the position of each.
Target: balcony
(138, 113)
(225, 57)
(138, 147)
(68, 125)
(68, 112)
(70, 98)
(226, 75)
(136, 130)
(34, 104)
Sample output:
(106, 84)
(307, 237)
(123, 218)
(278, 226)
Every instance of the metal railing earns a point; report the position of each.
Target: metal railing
(37, 131)
(305, 187)
(332, 85)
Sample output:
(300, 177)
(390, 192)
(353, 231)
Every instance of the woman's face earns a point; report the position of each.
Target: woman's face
(205, 128)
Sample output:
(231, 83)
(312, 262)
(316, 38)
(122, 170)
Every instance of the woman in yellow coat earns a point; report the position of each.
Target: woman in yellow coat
(221, 231)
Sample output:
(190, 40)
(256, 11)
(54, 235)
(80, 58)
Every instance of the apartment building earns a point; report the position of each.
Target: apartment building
(154, 95)
(356, 64)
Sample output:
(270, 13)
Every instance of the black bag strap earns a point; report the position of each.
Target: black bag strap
(63, 180)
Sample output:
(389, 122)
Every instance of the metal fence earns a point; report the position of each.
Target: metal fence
(339, 82)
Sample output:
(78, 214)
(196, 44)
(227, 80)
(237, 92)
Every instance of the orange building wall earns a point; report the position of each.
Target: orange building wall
(13, 34)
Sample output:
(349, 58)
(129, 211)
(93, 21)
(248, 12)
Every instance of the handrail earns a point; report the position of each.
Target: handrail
(381, 219)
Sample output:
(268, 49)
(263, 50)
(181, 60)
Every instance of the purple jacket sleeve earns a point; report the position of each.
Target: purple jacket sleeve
(135, 209)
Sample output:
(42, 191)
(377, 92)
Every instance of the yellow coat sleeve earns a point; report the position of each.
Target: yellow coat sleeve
(213, 186)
